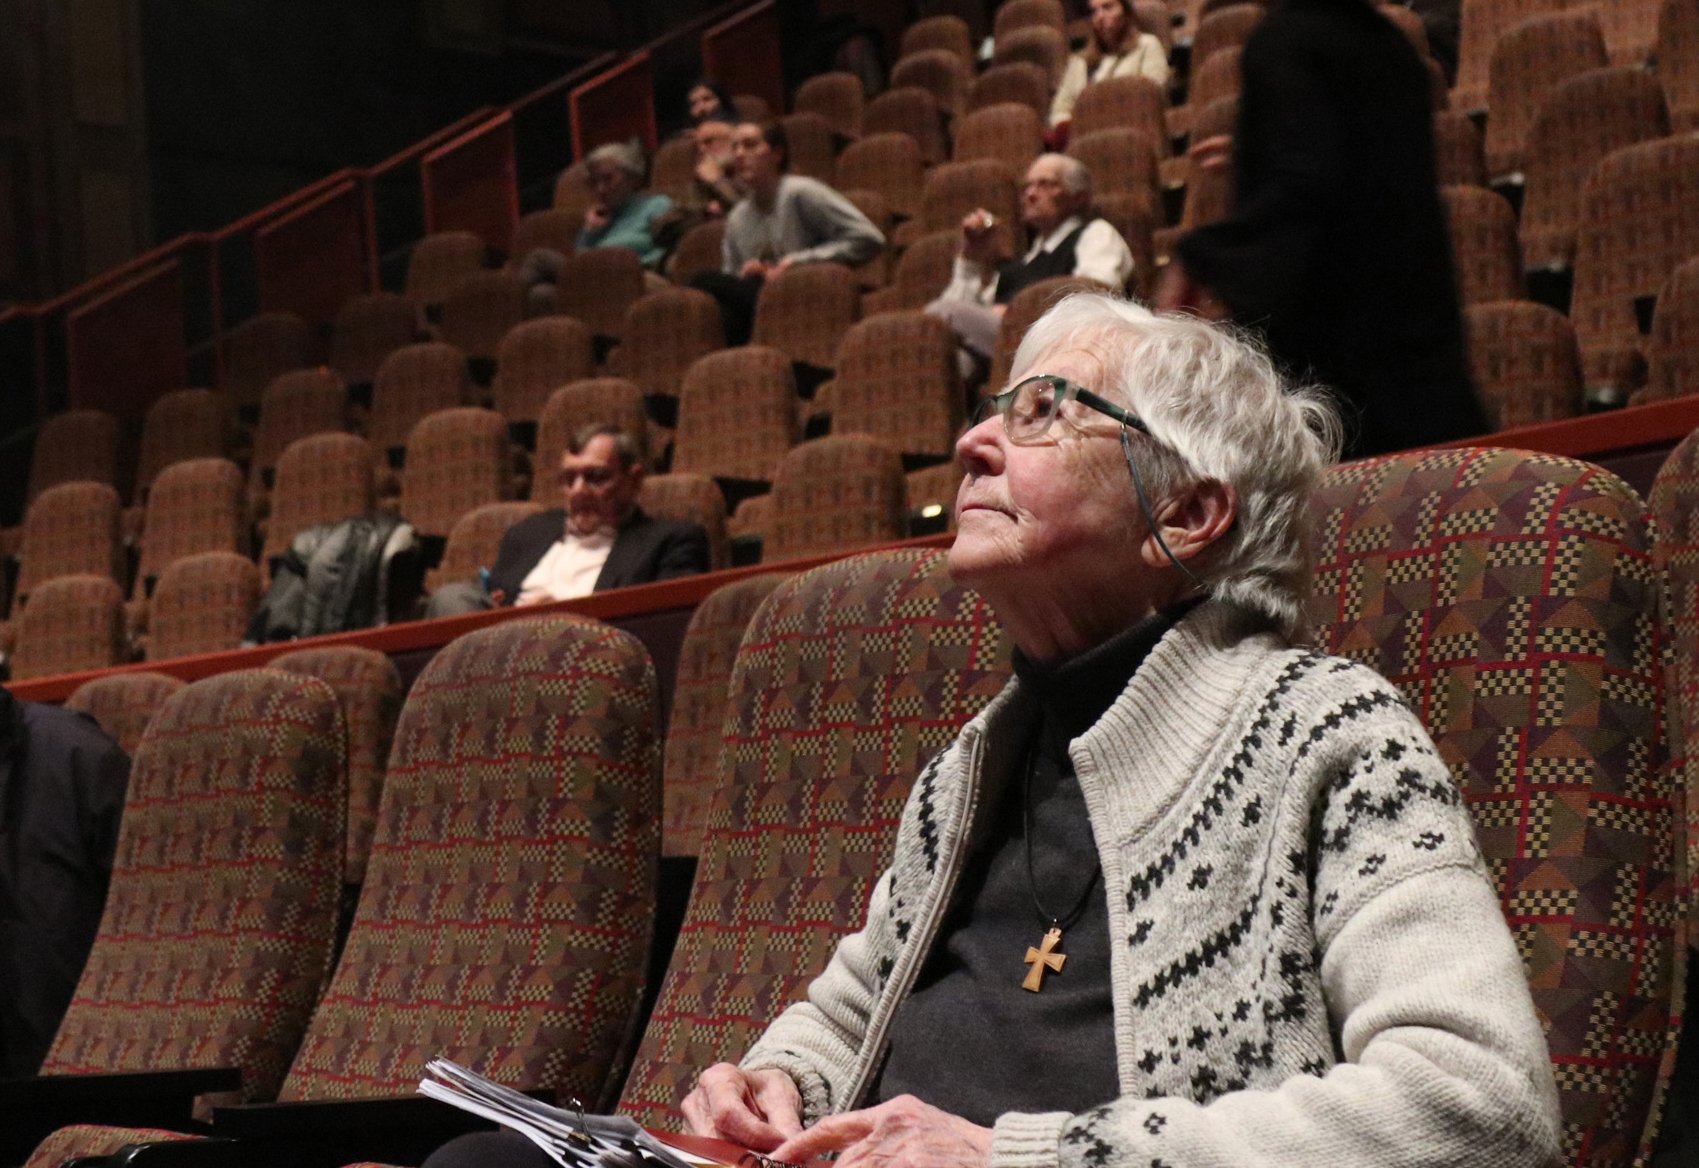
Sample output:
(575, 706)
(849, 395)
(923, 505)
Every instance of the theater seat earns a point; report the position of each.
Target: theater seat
(124, 703)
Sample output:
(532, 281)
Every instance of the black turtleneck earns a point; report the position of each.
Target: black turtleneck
(968, 1039)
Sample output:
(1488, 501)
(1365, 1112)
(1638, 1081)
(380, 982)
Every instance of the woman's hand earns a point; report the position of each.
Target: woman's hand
(757, 1109)
(900, 1132)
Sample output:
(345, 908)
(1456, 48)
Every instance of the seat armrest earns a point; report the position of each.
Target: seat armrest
(32, 1108)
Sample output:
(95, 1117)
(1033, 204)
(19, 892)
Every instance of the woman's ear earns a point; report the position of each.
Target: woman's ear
(1192, 521)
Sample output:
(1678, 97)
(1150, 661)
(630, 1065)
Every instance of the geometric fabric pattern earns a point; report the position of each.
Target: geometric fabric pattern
(1045, 47)
(897, 381)
(369, 687)
(909, 110)
(1482, 227)
(203, 604)
(691, 761)
(736, 414)
(1123, 103)
(193, 507)
(182, 425)
(833, 494)
(837, 97)
(504, 920)
(805, 311)
(1459, 155)
(942, 73)
(694, 499)
(1019, 81)
(887, 163)
(1528, 63)
(479, 309)
(956, 188)
(413, 381)
(664, 333)
(70, 530)
(474, 540)
(1483, 22)
(1513, 599)
(1523, 360)
(86, 1139)
(1678, 62)
(71, 623)
(124, 703)
(1121, 161)
(217, 932)
(438, 262)
(535, 359)
(1675, 505)
(368, 328)
(457, 459)
(294, 406)
(598, 286)
(1672, 349)
(923, 272)
(325, 478)
(74, 446)
(263, 348)
(1023, 311)
(849, 679)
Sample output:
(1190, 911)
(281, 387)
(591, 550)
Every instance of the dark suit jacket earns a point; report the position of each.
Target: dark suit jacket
(645, 550)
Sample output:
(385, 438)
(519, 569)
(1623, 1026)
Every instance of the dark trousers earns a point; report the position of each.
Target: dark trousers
(736, 297)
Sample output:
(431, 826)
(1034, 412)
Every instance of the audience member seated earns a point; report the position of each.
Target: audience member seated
(598, 539)
(1067, 240)
(708, 101)
(1117, 48)
(712, 191)
(783, 219)
(1186, 892)
(623, 215)
(62, 783)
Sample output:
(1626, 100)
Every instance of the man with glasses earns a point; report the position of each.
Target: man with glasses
(598, 539)
(1065, 239)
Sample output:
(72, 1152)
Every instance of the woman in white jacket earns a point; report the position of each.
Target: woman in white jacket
(1118, 48)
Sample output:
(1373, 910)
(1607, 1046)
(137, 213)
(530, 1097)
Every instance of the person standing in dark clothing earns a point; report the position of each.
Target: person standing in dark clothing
(62, 783)
(1337, 247)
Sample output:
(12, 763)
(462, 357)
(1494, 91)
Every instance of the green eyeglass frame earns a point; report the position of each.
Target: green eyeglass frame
(1029, 430)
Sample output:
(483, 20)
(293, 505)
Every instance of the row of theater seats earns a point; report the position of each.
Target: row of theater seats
(1526, 605)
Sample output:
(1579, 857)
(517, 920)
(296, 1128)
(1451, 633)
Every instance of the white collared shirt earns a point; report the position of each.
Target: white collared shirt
(1100, 253)
(568, 569)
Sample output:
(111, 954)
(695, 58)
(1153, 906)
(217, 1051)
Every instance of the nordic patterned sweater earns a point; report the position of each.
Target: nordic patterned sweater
(1310, 966)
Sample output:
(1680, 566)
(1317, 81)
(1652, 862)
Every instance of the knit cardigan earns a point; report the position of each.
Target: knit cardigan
(1311, 966)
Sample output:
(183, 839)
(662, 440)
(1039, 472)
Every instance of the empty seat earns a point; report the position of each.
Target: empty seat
(912, 111)
(595, 400)
(295, 406)
(414, 381)
(1018, 14)
(1133, 218)
(897, 381)
(535, 359)
(899, 655)
(691, 762)
(1427, 571)
(321, 479)
(474, 540)
(1482, 23)
(1121, 162)
(572, 192)
(1209, 189)
(805, 311)
(1672, 349)
(598, 286)
(1678, 62)
(935, 486)
(948, 32)
(955, 188)
(369, 687)
(1524, 361)
(179, 426)
(1135, 103)
(1024, 309)
(263, 348)
(1010, 133)
(736, 414)
(698, 251)
(1529, 61)
(672, 172)
(71, 623)
(124, 703)
(1482, 227)
(836, 494)
(921, 274)
(480, 309)
(552, 228)
(1459, 155)
(887, 163)
(1674, 503)
(1217, 77)
(76, 446)
(1639, 220)
(203, 604)
(810, 150)
(368, 328)
(457, 459)
(940, 72)
(664, 333)
(439, 262)
(1228, 26)
(70, 530)
(1585, 118)
(195, 506)
(692, 498)
(836, 97)
(1020, 81)
(1036, 45)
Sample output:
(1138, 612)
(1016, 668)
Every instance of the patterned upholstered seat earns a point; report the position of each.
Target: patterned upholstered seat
(474, 540)
(1528, 63)
(672, 172)
(1037, 45)
(837, 97)
(480, 309)
(1482, 227)
(664, 333)
(439, 262)
(1678, 62)
(1672, 351)
(1010, 133)
(909, 110)
(456, 460)
(322, 479)
(1209, 190)
(695, 499)
(1512, 598)
(1675, 504)
(551, 228)
(124, 703)
(1482, 23)
(936, 486)
(1132, 217)
(1020, 81)
(597, 286)
(1639, 220)
(195, 506)
(835, 494)
(1018, 14)
(413, 381)
(897, 381)
(936, 32)
(698, 250)
(805, 311)
(367, 329)
(736, 414)
(1025, 307)
(180, 426)
(691, 766)
(535, 359)
(203, 605)
(941, 72)
(71, 623)
(1459, 154)
(263, 348)
(815, 769)
(613, 400)
(295, 406)
(1133, 103)
(1122, 161)
(1631, 30)
(811, 149)
(887, 163)
(77, 446)
(1585, 118)
(224, 886)
(1523, 361)
(572, 190)
(369, 687)
(70, 529)
(955, 188)
(1217, 77)
(921, 275)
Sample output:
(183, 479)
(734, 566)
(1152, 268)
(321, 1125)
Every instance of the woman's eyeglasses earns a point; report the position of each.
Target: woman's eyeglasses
(1029, 406)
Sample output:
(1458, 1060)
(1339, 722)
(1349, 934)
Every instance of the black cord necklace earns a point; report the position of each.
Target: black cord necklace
(1045, 955)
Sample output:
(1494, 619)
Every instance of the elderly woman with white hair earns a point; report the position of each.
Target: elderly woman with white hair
(1186, 893)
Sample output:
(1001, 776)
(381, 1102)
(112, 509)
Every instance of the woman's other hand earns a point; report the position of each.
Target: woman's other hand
(759, 1110)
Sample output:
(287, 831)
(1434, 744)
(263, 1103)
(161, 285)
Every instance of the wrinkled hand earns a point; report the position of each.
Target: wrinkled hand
(979, 236)
(1212, 153)
(595, 219)
(758, 1109)
(900, 1133)
(779, 267)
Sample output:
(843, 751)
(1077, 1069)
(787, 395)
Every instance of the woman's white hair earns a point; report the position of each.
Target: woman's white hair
(1217, 410)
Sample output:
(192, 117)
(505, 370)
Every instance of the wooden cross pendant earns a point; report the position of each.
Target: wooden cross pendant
(1045, 956)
